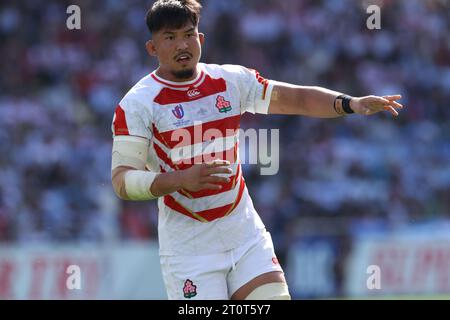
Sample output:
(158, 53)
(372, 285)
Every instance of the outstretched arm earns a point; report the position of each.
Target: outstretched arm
(319, 102)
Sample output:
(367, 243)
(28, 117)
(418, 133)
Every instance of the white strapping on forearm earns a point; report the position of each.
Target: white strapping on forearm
(138, 183)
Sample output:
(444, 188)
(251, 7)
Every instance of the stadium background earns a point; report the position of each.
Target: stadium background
(350, 192)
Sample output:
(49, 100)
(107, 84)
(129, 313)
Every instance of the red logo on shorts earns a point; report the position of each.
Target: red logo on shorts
(275, 260)
(189, 289)
(222, 104)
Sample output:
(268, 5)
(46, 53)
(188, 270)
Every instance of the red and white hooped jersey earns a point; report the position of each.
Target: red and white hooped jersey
(194, 122)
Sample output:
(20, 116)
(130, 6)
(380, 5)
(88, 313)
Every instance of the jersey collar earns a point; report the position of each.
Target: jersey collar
(181, 85)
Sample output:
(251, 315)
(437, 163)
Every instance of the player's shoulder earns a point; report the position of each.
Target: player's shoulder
(141, 94)
(225, 69)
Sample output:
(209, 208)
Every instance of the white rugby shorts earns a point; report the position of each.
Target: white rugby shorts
(218, 276)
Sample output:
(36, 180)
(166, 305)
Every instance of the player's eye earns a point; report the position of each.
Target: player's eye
(169, 37)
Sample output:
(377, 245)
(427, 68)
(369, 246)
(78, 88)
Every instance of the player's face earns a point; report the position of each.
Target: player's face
(178, 52)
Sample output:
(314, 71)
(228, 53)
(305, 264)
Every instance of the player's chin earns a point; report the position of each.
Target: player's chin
(184, 65)
(184, 73)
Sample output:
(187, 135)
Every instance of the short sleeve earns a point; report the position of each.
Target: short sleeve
(131, 119)
(255, 90)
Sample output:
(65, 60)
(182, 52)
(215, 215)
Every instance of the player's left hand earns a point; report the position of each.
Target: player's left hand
(372, 104)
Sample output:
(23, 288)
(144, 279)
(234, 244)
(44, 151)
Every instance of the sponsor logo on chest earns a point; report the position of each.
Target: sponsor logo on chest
(178, 112)
(192, 93)
(204, 110)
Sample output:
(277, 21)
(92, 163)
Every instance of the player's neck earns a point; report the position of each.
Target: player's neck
(169, 76)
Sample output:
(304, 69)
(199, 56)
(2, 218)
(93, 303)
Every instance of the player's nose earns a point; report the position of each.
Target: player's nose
(182, 45)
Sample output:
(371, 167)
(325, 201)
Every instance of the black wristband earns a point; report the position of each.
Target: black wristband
(342, 104)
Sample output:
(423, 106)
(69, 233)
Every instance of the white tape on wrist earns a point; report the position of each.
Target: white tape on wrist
(138, 183)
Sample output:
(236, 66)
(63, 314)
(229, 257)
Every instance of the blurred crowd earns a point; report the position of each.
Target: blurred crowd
(59, 88)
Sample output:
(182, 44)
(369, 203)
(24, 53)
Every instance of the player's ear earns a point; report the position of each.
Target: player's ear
(201, 37)
(150, 46)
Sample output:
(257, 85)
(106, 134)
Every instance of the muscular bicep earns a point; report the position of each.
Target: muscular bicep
(287, 99)
(308, 101)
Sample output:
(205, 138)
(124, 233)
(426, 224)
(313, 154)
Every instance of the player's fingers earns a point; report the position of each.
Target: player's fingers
(217, 163)
(393, 97)
(216, 179)
(391, 110)
(379, 100)
(374, 103)
(211, 186)
(225, 170)
(396, 105)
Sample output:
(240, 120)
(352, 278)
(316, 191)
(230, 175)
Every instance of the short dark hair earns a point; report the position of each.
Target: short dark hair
(172, 14)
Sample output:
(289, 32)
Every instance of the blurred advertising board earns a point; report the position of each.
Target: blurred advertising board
(125, 271)
(400, 263)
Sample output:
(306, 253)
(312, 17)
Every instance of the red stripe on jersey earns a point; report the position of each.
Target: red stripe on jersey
(158, 136)
(163, 157)
(227, 186)
(209, 192)
(174, 205)
(230, 155)
(177, 85)
(194, 134)
(213, 214)
(208, 87)
(261, 80)
(209, 214)
(120, 122)
(266, 84)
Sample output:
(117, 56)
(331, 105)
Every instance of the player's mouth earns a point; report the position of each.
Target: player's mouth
(183, 58)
